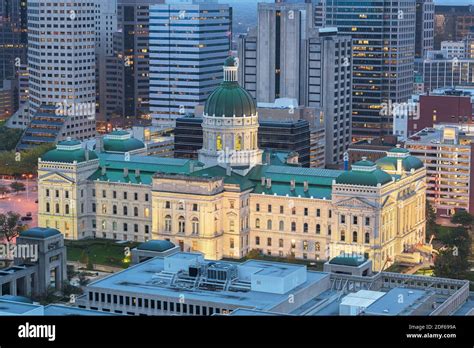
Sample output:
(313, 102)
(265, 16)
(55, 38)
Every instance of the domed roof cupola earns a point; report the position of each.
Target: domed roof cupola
(399, 159)
(364, 173)
(229, 99)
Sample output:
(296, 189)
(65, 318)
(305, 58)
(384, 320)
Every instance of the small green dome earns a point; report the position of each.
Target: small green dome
(121, 141)
(229, 99)
(40, 232)
(390, 162)
(364, 173)
(408, 163)
(69, 151)
(156, 245)
(231, 61)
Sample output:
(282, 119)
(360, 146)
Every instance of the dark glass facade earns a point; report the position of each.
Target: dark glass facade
(281, 136)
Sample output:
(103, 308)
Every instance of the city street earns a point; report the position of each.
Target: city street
(21, 203)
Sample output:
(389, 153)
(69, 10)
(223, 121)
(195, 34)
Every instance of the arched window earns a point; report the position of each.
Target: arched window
(293, 226)
(48, 208)
(318, 229)
(125, 210)
(269, 224)
(367, 238)
(181, 225)
(343, 236)
(66, 209)
(238, 142)
(305, 227)
(114, 210)
(282, 225)
(354, 237)
(57, 208)
(195, 225)
(135, 211)
(257, 223)
(168, 223)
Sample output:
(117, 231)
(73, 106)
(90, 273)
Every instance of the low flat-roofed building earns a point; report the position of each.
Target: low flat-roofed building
(398, 301)
(186, 284)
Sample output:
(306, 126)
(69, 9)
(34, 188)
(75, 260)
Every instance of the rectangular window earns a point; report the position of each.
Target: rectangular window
(367, 221)
(125, 195)
(135, 196)
(305, 211)
(104, 194)
(146, 197)
(114, 194)
(282, 210)
(318, 212)
(269, 208)
(343, 219)
(257, 207)
(354, 220)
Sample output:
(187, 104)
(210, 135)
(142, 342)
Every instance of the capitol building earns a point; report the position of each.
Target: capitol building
(235, 197)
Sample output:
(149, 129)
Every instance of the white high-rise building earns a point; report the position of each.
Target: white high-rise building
(189, 41)
(61, 62)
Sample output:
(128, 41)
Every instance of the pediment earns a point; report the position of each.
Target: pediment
(388, 201)
(356, 203)
(56, 177)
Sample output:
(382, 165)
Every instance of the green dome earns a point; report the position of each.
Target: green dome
(156, 245)
(231, 61)
(40, 232)
(121, 141)
(229, 99)
(364, 173)
(389, 163)
(408, 163)
(68, 151)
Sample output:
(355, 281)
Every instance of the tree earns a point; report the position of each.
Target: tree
(9, 226)
(431, 226)
(9, 138)
(462, 217)
(453, 261)
(17, 186)
(83, 280)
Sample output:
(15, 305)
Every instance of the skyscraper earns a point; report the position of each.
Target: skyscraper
(383, 34)
(189, 40)
(424, 40)
(133, 47)
(13, 48)
(287, 57)
(61, 61)
(106, 60)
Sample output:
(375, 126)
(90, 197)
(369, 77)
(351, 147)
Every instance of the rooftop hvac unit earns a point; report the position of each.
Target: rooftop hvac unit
(221, 271)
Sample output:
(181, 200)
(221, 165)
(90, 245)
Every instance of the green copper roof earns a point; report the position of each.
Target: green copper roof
(68, 156)
(364, 178)
(233, 179)
(408, 163)
(230, 61)
(69, 142)
(229, 100)
(122, 145)
(147, 166)
(40, 232)
(156, 245)
(399, 150)
(354, 261)
(364, 163)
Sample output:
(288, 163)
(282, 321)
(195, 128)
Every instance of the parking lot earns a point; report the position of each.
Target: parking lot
(22, 202)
